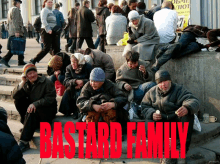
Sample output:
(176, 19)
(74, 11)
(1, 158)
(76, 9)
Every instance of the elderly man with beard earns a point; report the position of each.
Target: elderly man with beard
(143, 36)
(35, 100)
(170, 102)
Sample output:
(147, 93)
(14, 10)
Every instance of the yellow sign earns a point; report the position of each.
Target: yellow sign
(183, 9)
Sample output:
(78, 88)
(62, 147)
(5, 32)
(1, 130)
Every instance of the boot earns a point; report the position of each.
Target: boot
(4, 62)
(21, 60)
(67, 48)
(32, 61)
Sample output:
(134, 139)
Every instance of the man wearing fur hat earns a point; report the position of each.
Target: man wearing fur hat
(170, 102)
(100, 97)
(143, 36)
(35, 100)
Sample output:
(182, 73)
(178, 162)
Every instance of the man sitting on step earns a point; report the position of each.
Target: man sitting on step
(35, 100)
(170, 102)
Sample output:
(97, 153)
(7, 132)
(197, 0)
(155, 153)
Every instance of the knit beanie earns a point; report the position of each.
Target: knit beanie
(29, 67)
(133, 15)
(162, 75)
(97, 74)
(3, 114)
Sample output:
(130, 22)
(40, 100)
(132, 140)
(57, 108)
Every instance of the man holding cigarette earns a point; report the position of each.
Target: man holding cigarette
(170, 102)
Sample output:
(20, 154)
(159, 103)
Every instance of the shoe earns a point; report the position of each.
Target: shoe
(32, 61)
(37, 41)
(154, 69)
(75, 115)
(21, 63)
(168, 161)
(4, 62)
(181, 161)
(218, 49)
(66, 48)
(24, 147)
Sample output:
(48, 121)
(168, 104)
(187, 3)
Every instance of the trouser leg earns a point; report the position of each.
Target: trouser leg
(73, 46)
(21, 106)
(90, 43)
(56, 43)
(20, 58)
(53, 78)
(61, 78)
(8, 56)
(102, 43)
(79, 43)
(93, 116)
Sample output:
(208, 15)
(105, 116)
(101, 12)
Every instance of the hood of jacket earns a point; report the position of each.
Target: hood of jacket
(99, 10)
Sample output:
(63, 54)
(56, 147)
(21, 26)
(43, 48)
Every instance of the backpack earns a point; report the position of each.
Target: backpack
(37, 24)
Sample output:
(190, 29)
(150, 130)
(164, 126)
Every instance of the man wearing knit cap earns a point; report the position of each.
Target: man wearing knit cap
(35, 100)
(170, 102)
(100, 97)
(143, 36)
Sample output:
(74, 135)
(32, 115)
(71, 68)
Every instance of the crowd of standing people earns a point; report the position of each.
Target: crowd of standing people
(94, 91)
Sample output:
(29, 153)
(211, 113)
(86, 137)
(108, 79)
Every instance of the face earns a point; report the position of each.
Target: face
(87, 5)
(165, 85)
(133, 6)
(49, 3)
(18, 4)
(135, 22)
(96, 84)
(132, 65)
(32, 76)
(74, 63)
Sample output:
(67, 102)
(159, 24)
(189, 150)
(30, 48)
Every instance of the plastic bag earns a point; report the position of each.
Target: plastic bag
(60, 88)
(196, 124)
(123, 42)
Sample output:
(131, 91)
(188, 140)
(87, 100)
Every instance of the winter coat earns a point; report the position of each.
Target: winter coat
(104, 61)
(133, 77)
(71, 25)
(15, 21)
(42, 94)
(59, 18)
(108, 93)
(151, 12)
(30, 27)
(126, 10)
(147, 38)
(101, 14)
(116, 25)
(10, 152)
(84, 19)
(66, 62)
(199, 31)
(168, 103)
(71, 76)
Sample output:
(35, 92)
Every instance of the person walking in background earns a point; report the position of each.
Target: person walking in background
(6, 29)
(15, 26)
(116, 25)
(123, 3)
(131, 6)
(59, 18)
(49, 35)
(72, 28)
(3, 30)
(102, 12)
(30, 29)
(141, 8)
(85, 18)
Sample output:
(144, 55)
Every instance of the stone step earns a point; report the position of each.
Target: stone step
(9, 79)
(19, 70)
(6, 92)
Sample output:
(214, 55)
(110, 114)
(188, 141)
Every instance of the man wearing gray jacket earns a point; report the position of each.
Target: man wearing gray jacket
(15, 28)
(170, 102)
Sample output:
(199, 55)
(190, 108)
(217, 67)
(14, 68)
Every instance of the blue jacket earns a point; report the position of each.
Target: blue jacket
(59, 17)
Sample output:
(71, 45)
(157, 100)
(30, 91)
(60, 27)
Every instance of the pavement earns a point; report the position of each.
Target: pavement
(204, 153)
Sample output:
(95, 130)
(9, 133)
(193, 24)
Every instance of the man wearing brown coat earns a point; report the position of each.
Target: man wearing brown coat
(15, 28)
(84, 28)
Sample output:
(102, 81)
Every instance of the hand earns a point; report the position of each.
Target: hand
(157, 117)
(127, 87)
(182, 111)
(97, 108)
(142, 69)
(130, 41)
(23, 78)
(135, 41)
(79, 83)
(31, 108)
(57, 72)
(17, 34)
(77, 87)
(50, 32)
(108, 105)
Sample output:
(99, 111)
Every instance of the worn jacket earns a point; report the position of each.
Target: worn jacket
(168, 103)
(84, 18)
(133, 77)
(109, 93)
(126, 10)
(103, 60)
(10, 152)
(71, 25)
(42, 94)
(59, 17)
(147, 38)
(101, 14)
(71, 76)
(116, 25)
(66, 62)
(199, 31)
(15, 21)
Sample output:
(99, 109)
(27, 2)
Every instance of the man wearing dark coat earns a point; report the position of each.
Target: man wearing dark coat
(132, 4)
(9, 149)
(84, 18)
(170, 102)
(35, 100)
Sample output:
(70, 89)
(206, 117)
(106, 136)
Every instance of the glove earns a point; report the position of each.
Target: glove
(131, 41)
